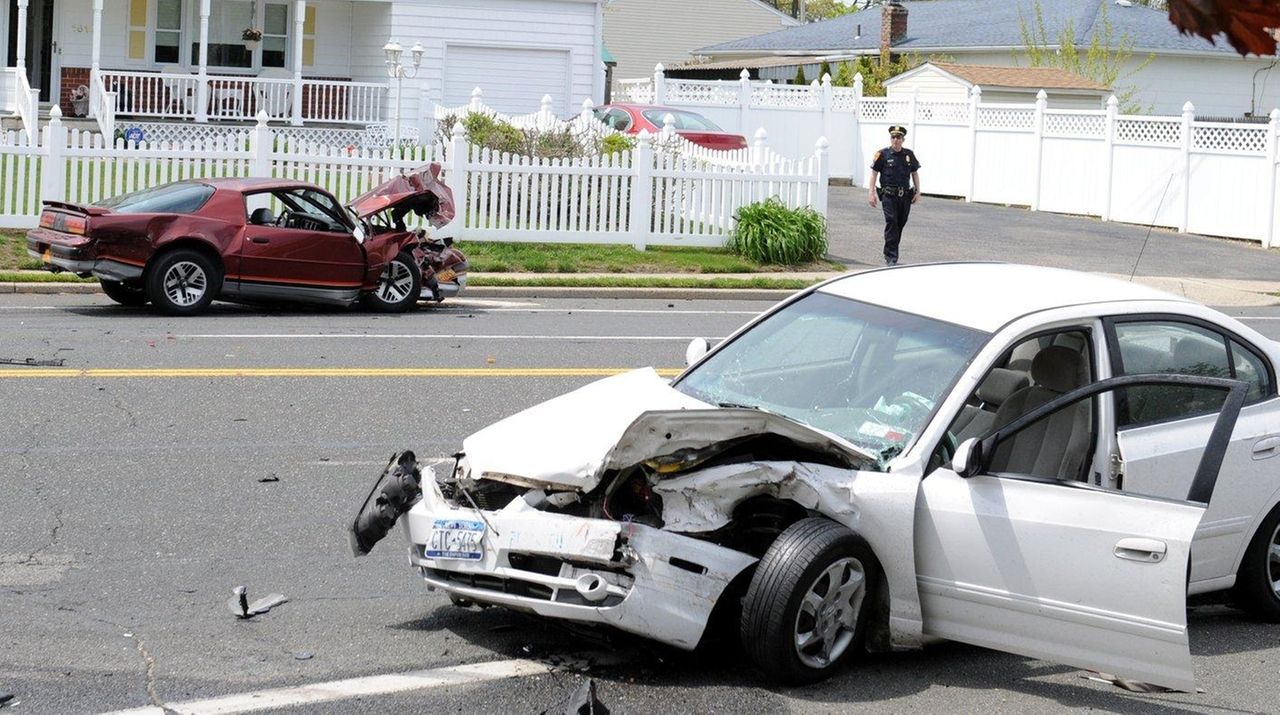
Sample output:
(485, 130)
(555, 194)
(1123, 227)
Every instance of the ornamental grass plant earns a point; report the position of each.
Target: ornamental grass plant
(769, 232)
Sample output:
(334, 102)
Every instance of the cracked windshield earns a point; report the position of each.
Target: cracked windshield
(868, 374)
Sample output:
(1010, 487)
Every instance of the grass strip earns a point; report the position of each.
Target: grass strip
(12, 277)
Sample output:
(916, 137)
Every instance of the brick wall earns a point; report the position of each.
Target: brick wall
(72, 77)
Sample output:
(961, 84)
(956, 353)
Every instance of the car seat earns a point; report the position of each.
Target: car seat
(1057, 445)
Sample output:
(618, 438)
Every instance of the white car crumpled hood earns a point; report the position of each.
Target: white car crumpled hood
(571, 440)
(566, 440)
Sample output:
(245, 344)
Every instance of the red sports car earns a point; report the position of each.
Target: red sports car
(181, 245)
(633, 118)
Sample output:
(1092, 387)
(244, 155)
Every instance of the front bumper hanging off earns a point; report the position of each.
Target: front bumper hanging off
(636, 578)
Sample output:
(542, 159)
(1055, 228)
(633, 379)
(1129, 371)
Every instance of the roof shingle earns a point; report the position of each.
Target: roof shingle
(934, 25)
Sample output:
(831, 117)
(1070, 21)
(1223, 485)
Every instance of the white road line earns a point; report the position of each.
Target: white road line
(353, 688)
(1247, 318)
(427, 336)
(617, 311)
(497, 307)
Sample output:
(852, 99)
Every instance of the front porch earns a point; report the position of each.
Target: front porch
(198, 61)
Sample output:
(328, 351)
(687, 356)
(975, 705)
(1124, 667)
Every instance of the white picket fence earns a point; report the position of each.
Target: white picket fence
(652, 194)
(1212, 178)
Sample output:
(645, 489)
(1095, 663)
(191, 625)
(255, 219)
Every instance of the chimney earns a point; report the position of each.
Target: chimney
(893, 27)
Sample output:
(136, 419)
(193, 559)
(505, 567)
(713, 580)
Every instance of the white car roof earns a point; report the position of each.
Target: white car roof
(985, 296)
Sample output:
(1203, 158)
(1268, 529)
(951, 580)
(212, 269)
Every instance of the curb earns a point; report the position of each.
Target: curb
(759, 294)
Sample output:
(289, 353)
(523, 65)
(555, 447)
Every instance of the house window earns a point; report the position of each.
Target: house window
(275, 34)
(168, 34)
(227, 20)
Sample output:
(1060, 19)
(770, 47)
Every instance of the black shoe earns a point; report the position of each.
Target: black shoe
(891, 261)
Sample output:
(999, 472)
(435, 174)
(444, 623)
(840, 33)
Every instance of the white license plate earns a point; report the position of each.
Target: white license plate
(456, 539)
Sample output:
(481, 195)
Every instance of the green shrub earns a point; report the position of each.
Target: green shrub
(800, 78)
(768, 232)
(495, 134)
(616, 143)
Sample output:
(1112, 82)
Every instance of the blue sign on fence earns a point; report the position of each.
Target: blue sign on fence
(133, 135)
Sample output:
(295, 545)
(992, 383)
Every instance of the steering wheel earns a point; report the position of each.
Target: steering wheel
(913, 403)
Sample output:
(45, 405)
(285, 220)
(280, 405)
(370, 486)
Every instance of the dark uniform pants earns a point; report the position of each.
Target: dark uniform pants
(896, 211)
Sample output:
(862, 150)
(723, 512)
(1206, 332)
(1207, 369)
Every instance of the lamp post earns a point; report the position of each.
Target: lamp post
(399, 72)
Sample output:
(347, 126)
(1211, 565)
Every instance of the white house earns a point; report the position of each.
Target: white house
(1183, 68)
(1000, 85)
(318, 61)
(643, 33)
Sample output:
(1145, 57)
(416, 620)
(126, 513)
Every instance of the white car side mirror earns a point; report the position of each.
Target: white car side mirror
(967, 461)
(697, 348)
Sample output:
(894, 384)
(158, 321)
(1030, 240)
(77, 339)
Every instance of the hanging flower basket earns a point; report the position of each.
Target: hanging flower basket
(252, 37)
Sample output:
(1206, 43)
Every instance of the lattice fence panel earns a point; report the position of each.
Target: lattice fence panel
(1092, 126)
(992, 118)
(721, 95)
(156, 132)
(874, 110)
(784, 97)
(1243, 140)
(843, 99)
(1149, 131)
(943, 112)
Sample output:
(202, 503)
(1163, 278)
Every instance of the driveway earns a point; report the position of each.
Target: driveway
(952, 230)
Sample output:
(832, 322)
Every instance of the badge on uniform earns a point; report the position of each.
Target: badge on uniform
(908, 158)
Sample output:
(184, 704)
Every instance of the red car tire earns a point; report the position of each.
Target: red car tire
(183, 282)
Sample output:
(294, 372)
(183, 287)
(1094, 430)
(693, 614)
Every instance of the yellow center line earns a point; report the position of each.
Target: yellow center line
(166, 372)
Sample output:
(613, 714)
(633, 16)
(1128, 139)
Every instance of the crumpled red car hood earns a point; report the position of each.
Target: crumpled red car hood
(422, 180)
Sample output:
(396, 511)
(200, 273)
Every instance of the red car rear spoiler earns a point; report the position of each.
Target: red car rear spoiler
(87, 209)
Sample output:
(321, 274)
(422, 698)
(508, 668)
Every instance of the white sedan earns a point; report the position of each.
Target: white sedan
(1033, 460)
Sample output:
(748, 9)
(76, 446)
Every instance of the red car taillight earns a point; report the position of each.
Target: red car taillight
(58, 221)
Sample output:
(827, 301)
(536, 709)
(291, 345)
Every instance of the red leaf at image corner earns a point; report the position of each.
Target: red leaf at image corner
(1250, 25)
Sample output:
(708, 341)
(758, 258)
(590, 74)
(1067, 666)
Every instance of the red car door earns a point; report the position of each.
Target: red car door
(303, 245)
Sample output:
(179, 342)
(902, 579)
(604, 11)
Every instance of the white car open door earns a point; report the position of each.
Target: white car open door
(1063, 570)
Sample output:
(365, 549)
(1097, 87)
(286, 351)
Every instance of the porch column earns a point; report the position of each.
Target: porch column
(299, 21)
(202, 84)
(22, 35)
(95, 65)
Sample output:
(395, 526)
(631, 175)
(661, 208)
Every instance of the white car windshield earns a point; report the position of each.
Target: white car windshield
(869, 374)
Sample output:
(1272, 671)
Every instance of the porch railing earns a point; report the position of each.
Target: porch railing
(102, 105)
(26, 102)
(182, 96)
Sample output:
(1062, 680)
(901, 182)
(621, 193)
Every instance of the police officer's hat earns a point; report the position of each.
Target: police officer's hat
(897, 130)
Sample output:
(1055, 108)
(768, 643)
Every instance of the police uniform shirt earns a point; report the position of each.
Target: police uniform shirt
(895, 167)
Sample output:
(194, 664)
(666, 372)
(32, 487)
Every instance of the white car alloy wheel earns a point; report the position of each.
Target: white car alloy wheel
(828, 616)
(396, 283)
(185, 283)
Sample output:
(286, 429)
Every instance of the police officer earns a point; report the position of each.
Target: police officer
(896, 168)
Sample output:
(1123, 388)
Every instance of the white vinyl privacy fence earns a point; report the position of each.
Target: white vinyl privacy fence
(659, 192)
(1177, 172)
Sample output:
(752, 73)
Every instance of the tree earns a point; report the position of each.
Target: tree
(1103, 60)
(816, 10)
(800, 78)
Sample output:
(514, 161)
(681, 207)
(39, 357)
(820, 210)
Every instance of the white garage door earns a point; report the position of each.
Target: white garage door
(514, 79)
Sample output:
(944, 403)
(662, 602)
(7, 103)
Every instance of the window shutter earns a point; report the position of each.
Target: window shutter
(309, 37)
(137, 29)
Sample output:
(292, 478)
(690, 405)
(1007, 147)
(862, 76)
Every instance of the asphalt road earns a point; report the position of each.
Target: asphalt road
(134, 502)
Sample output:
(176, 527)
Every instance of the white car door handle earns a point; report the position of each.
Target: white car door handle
(1137, 549)
(1266, 447)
